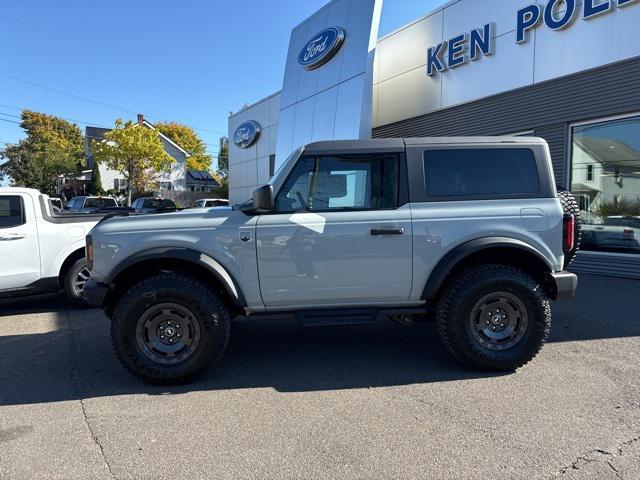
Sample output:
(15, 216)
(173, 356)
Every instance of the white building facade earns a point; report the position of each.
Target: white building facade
(565, 70)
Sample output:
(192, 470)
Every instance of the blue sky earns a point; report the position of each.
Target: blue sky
(192, 61)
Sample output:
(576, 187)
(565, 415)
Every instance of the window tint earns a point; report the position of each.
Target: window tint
(159, 203)
(481, 172)
(11, 211)
(99, 203)
(341, 183)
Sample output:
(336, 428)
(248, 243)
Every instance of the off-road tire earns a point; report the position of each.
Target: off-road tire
(570, 206)
(455, 325)
(69, 282)
(208, 309)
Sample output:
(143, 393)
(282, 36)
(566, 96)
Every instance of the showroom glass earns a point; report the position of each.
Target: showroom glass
(479, 172)
(11, 211)
(341, 183)
(606, 183)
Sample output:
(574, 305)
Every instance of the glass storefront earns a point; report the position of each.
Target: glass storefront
(606, 183)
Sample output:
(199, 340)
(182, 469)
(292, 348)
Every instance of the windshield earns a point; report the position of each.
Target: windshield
(100, 203)
(276, 179)
(159, 203)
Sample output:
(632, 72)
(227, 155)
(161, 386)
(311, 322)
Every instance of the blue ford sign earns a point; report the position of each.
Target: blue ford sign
(321, 48)
(246, 134)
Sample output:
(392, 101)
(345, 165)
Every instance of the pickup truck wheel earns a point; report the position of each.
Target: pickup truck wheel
(170, 328)
(493, 318)
(74, 281)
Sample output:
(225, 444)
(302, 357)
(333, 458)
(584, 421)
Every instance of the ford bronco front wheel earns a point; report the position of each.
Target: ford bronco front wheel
(170, 328)
(493, 318)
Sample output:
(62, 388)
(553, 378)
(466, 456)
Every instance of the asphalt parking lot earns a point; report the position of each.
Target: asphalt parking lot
(346, 402)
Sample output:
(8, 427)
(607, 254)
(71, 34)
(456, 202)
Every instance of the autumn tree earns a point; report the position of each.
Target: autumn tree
(135, 152)
(53, 146)
(188, 139)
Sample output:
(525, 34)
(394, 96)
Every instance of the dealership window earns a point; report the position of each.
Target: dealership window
(481, 172)
(606, 181)
(341, 183)
(11, 211)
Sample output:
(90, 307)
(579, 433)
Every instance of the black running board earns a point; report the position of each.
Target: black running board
(329, 319)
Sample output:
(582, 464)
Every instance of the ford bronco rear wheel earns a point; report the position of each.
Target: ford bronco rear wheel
(170, 328)
(493, 318)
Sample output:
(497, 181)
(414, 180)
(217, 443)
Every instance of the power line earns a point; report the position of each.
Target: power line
(10, 121)
(96, 102)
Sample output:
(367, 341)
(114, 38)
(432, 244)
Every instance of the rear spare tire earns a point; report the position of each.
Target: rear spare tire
(493, 318)
(170, 328)
(570, 206)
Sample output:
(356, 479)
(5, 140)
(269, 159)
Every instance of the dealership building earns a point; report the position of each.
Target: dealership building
(564, 70)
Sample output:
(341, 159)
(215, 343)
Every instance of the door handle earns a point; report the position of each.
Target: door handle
(387, 231)
(12, 236)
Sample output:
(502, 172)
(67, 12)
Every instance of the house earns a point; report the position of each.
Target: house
(179, 178)
(605, 171)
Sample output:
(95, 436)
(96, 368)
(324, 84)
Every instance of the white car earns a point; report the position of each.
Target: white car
(41, 251)
(211, 202)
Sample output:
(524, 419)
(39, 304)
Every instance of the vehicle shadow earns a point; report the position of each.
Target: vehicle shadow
(75, 360)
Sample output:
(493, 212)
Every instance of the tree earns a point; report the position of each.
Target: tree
(95, 185)
(188, 139)
(52, 146)
(222, 175)
(223, 158)
(136, 152)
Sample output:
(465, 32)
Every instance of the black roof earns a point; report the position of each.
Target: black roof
(201, 177)
(95, 133)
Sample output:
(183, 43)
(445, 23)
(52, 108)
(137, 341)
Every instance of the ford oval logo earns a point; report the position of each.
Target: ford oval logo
(321, 48)
(246, 134)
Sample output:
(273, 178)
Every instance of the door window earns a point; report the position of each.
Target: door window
(11, 211)
(335, 183)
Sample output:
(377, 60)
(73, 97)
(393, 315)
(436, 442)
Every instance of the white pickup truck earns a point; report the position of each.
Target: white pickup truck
(41, 251)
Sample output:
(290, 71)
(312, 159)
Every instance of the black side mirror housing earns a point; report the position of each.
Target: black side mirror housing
(263, 199)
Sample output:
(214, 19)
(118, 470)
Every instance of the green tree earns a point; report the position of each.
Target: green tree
(223, 158)
(136, 152)
(52, 147)
(95, 185)
(188, 139)
(222, 175)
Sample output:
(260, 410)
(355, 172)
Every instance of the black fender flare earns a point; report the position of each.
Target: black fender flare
(188, 255)
(445, 266)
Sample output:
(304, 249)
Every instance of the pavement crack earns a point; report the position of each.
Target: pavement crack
(76, 387)
(598, 455)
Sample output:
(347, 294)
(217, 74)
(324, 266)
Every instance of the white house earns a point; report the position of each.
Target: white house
(178, 178)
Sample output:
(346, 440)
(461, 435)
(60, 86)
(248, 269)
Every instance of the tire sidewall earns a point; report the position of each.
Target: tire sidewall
(528, 345)
(69, 281)
(129, 312)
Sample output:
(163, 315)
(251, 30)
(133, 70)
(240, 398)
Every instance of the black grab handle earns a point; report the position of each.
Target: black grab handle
(387, 231)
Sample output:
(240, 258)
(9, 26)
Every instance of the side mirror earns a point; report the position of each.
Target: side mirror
(263, 199)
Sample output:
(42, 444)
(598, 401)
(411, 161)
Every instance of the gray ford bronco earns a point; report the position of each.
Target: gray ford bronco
(470, 231)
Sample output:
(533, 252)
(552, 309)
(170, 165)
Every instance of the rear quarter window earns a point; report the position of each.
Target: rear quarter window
(481, 172)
